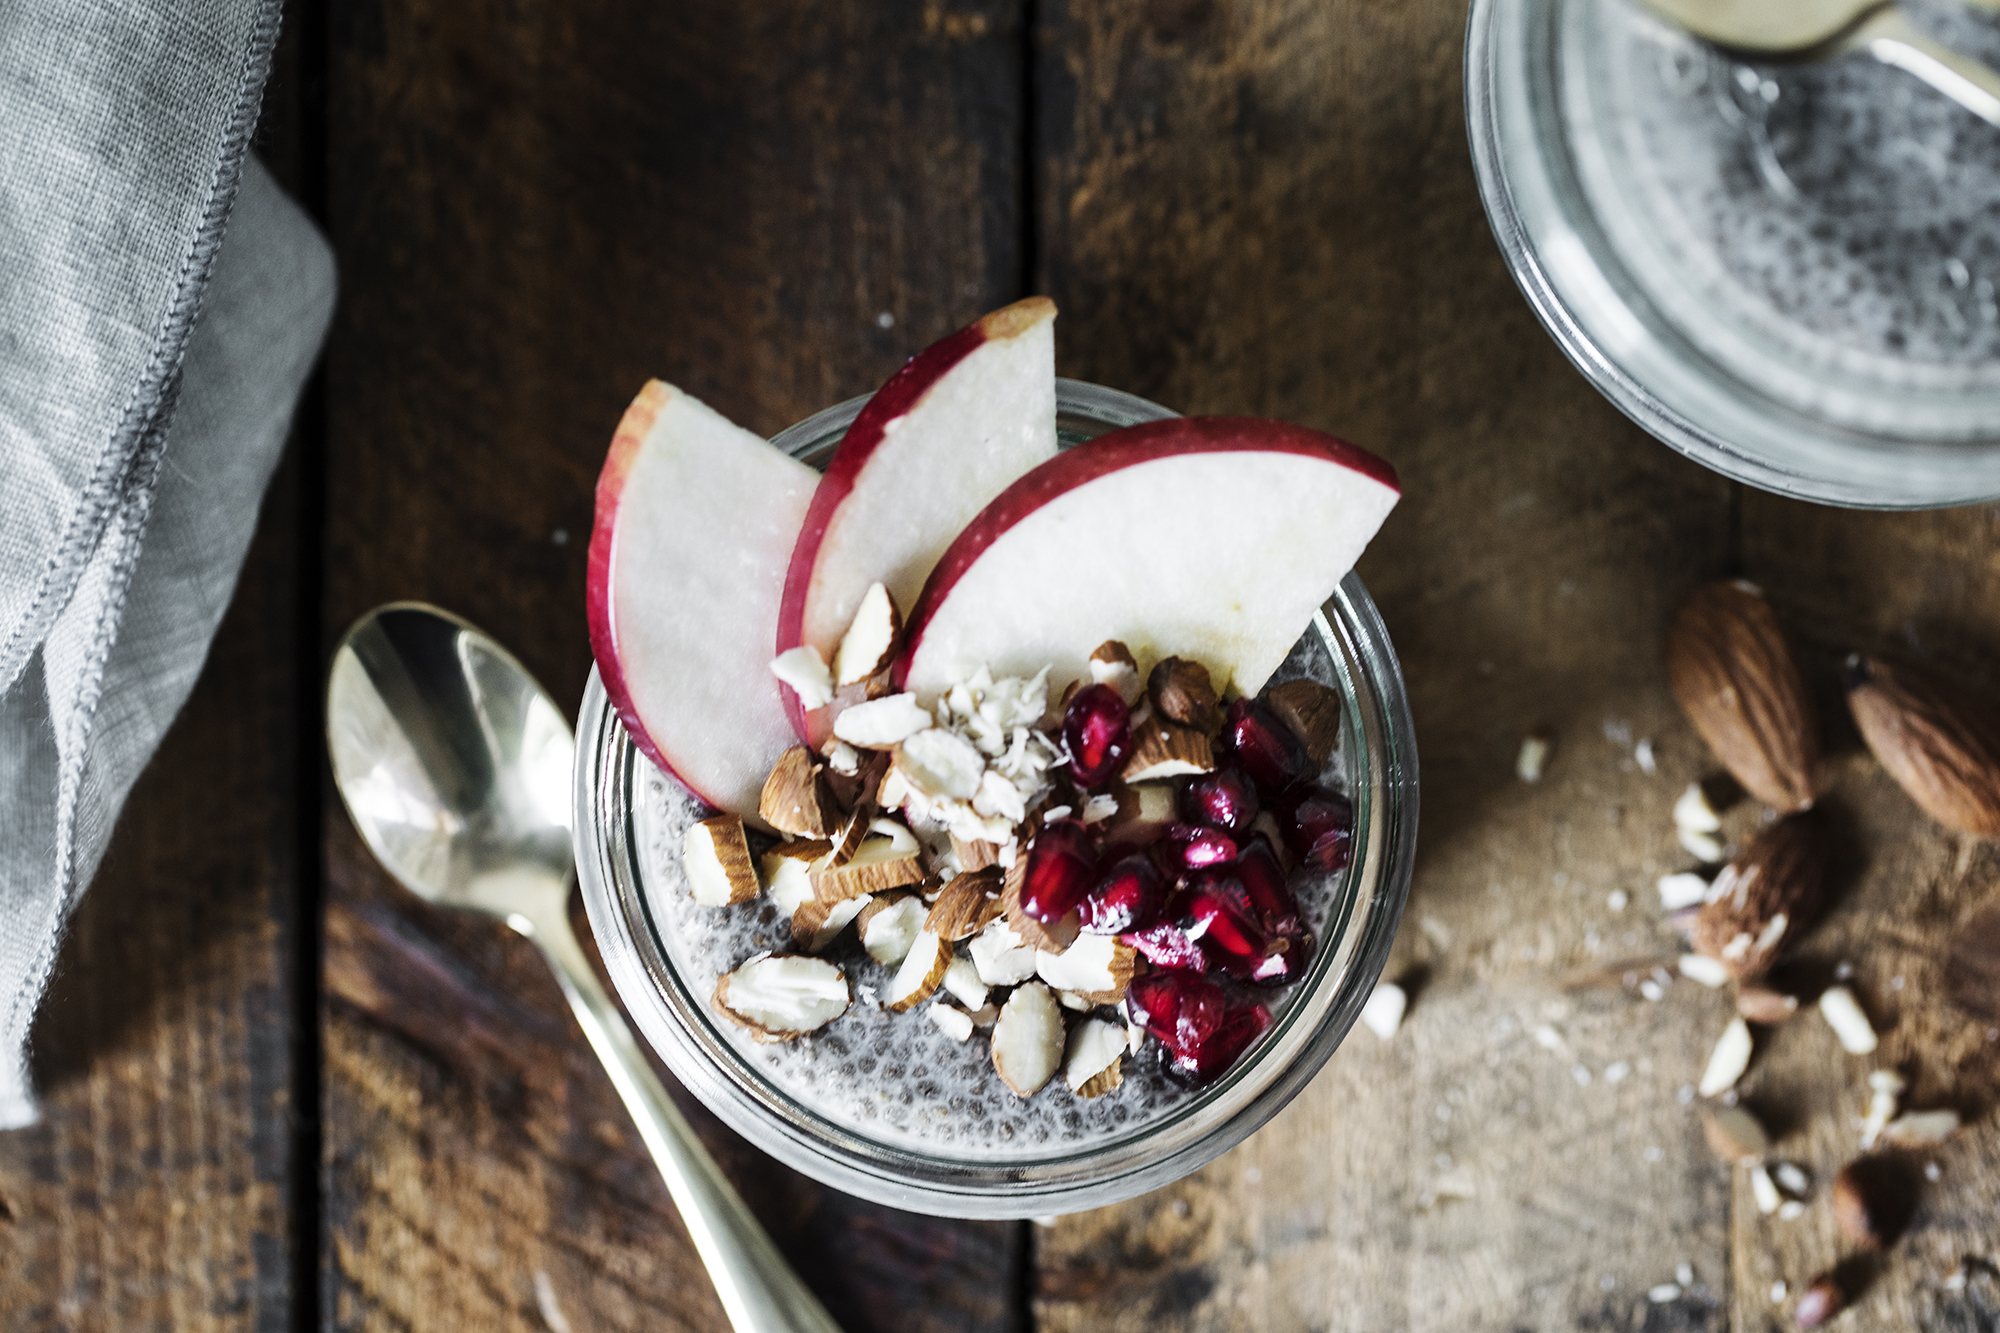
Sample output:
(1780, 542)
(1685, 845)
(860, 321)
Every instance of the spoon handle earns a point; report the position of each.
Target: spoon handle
(759, 1291)
(1894, 40)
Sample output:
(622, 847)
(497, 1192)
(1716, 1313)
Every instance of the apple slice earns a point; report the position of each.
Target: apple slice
(949, 431)
(696, 520)
(1215, 538)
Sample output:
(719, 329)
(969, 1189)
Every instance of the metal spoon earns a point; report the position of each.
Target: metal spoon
(455, 765)
(1822, 29)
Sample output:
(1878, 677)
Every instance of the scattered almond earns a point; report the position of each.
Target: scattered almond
(1164, 749)
(1312, 711)
(965, 905)
(1734, 676)
(1939, 742)
(1028, 1039)
(889, 857)
(1735, 1134)
(1728, 1060)
(1053, 937)
(715, 855)
(782, 996)
(1533, 755)
(1105, 1080)
(1843, 1013)
(1093, 1047)
(889, 925)
(1112, 665)
(1819, 1302)
(921, 973)
(1761, 1004)
(1182, 693)
(870, 641)
(795, 800)
(961, 980)
(1768, 896)
(1383, 1013)
(1096, 967)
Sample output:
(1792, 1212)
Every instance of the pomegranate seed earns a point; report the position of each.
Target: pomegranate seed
(1097, 730)
(1263, 880)
(1217, 915)
(1225, 799)
(1204, 1061)
(1128, 897)
(1059, 871)
(1318, 826)
(1181, 1009)
(1264, 747)
(1201, 847)
(1165, 944)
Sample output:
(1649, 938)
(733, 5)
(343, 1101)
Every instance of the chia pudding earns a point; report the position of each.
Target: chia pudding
(895, 1077)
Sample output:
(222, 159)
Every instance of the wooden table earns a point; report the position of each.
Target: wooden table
(282, 1095)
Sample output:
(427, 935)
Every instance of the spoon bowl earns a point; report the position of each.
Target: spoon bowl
(455, 766)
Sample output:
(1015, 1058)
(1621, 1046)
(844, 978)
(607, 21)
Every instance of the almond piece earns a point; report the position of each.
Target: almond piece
(787, 871)
(889, 925)
(1939, 742)
(1761, 1004)
(1764, 899)
(1142, 816)
(961, 980)
(1112, 665)
(1096, 967)
(816, 924)
(1312, 711)
(1733, 674)
(804, 671)
(1182, 692)
(782, 996)
(1735, 1134)
(1972, 966)
(1028, 1039)
(951, 1020)
(871, 637)
(1105, 1080)
(715, 856)
(1163, 749)
(889, 857)
(974, 854)
(1093, 1047)
(795, 800)
(921, 973)
(1000, 955)
(856, 793)
(965, 905)
(1728, 1060)
(879, 724)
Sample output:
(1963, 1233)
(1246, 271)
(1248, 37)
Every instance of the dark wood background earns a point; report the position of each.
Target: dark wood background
(281, 1095)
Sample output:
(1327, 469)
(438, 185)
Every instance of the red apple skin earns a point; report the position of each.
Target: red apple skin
(633, 428)
(894, 400)
(1110, 453)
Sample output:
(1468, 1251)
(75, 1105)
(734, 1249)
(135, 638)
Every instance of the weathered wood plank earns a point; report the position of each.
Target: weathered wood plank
(536, 208)
(1268, 208)
(155, 1193)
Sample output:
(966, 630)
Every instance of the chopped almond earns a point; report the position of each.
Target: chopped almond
(1164, 749)
(1105, 1080)
(887, 858)
(871, 637)
(961, 979)
(1312, 711)
(921, 973)
(783, 996)
(1181, 692)
(879, 724)
(951, 1020)
(795, 799)
(1001, 956)
(804, 670)
(715, 855)
(965, 905)
(1028, 1039)
(974, 853)
(816, 924)
(1093, 1047)
(888, 925)
(1096, 967)
(787, 871)
(1112, 665)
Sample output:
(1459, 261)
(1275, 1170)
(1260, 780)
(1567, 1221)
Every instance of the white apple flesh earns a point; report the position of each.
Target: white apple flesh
(1213, 538)
(696, 521)
(947, 433)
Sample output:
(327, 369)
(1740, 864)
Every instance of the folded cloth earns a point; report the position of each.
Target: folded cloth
(153, 345)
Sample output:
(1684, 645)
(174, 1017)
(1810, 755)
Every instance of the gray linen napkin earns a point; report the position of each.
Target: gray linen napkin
(149, 369)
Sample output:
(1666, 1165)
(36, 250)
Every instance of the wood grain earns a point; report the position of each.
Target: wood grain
(537, 207)
(1266, 207)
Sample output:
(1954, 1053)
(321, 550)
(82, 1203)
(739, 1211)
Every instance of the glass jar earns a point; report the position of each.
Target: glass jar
(797, 1101)
(1786, 272)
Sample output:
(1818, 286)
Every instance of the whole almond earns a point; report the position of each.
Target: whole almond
(1972, 966)
(1733, 674)
(1181, 691)
(1939, 742)
(1764, 899)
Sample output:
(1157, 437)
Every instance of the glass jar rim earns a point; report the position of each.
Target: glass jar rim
(671, 1018)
